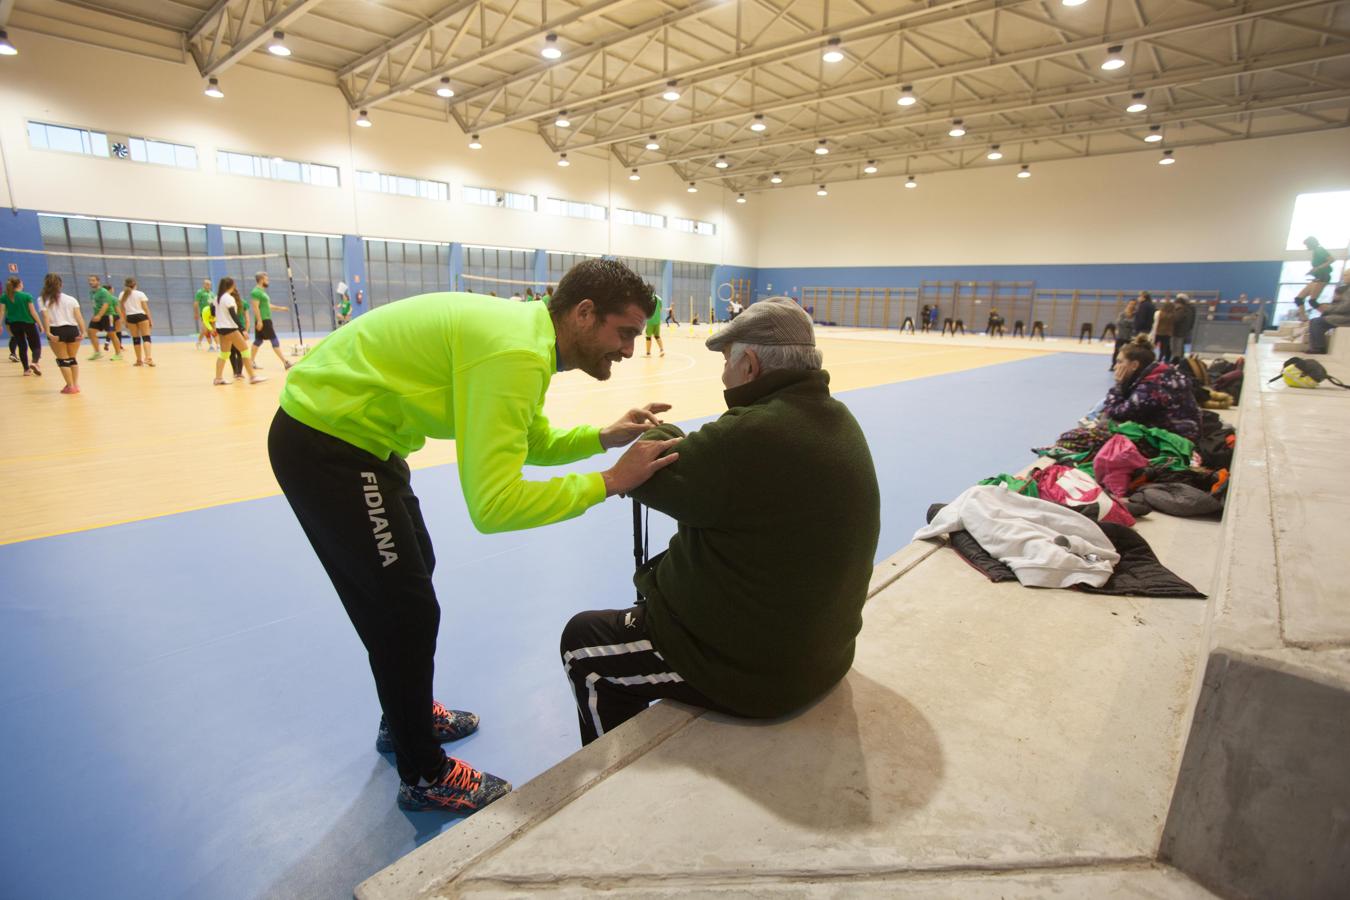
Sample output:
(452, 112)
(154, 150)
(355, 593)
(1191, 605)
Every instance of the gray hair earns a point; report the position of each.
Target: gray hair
(259, 276)
(775, 357)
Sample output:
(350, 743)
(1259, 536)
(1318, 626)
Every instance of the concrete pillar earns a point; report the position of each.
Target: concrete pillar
(354, 272)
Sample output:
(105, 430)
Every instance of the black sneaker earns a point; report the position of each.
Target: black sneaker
(459, 788)
(449, 725)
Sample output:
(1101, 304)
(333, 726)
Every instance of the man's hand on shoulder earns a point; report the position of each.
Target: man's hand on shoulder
(631, 426)
(643, 460)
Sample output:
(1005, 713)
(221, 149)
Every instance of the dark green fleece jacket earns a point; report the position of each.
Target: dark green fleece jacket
(759, 597)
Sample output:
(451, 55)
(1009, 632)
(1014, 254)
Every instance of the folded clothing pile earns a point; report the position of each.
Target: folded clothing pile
(1007, 536)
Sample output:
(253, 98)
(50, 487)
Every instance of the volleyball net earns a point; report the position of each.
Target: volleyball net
(308, 289)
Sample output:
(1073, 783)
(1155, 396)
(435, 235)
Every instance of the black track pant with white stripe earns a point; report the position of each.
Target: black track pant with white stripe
(615, 671)
(365, 525)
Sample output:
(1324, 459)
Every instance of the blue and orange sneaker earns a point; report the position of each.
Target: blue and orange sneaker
(459, 788)
(449, 725)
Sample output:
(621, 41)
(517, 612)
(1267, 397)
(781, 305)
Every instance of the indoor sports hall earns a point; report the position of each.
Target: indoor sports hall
(1035, 303)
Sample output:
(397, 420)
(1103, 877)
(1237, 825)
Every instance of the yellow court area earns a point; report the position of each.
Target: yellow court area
(143, 442)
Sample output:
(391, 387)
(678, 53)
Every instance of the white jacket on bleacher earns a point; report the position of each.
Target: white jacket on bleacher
(1045, 544)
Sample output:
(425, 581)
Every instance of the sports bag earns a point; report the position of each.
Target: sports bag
(1305, 373)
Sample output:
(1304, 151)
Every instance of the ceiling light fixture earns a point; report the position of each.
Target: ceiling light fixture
(910, 182)
(758, 124)
(562, 160)
(213, 88)
(832, 52)
(474, 143)
(821, 192)
(1154, 134)
(550, 50)
(692, 189)
(740, 198)
(652, 143)
(278, 45)
(821, 149)
(635, 176)
(6, 48)
(363, 120)
(722, 162)
(994, 153)
(1025, 173)
(671, 94)
(958, 129)
(444, 90)
(776, 179)
(870, 168)
(907, 97)
(1074, 2)
(562, 120)
(1115, 58)
(1137, 104)
(1167, 158)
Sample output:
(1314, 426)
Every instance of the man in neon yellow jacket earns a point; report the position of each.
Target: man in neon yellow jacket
(476, 370)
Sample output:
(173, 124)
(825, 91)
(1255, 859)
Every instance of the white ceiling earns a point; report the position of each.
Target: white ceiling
(1024, 74)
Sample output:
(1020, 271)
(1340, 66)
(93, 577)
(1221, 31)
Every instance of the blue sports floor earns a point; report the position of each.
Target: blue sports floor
(188, 712)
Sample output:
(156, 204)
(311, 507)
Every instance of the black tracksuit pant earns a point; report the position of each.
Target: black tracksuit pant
(615, 672)
(365, 524)
(24, 338)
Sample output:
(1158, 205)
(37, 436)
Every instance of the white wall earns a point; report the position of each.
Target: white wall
(74, 84)
(1226, 202)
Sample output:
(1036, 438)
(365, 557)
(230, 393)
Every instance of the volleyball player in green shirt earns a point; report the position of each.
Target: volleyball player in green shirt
(654, 327)
(203, 300)
(1320, 273)
(20, 315)
(103, 304)
(262, 320)
(461, 366)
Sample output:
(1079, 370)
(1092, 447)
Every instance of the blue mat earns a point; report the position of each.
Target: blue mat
(183, 726)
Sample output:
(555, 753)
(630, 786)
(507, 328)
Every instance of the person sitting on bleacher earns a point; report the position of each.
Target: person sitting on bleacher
(1151, 392)
(754, 606)
(1335, 315)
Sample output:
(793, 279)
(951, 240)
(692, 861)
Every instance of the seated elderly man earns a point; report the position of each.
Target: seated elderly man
(754, 606)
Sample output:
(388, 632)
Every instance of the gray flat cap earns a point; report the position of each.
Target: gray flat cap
(777, 321)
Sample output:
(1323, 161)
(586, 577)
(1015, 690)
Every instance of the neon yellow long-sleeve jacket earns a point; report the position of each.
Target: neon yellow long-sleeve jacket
(458, 366)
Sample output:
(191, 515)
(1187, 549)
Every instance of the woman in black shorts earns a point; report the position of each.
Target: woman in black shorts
(228, 308)
(136, 307)
(64, 322)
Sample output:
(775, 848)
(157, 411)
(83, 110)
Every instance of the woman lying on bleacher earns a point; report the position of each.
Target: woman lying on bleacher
(1151, 393)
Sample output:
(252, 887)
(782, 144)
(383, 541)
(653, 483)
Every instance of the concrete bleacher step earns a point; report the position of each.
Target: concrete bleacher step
(985, 730)
(1263, 795)
(995, 741)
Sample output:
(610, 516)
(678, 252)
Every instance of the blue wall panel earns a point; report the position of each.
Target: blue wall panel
(1255, 279)
(19, 229)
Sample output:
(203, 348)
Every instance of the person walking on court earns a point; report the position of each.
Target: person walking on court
(137, 307)
(1183, 324)
(754, 607)
(64, 324)
(231, 326)
(1124, 330)
(461, 366)
(205, 331)
(262, 321)
(654, 327)
(18, 312)
(103, 303)
(1164, 321)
